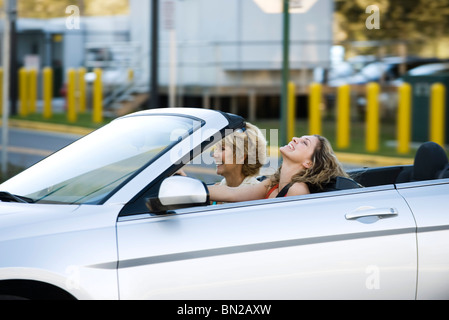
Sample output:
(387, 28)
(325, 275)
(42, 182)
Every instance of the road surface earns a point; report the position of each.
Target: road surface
(27, 147)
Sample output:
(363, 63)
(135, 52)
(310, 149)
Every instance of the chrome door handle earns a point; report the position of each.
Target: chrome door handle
(372, 212)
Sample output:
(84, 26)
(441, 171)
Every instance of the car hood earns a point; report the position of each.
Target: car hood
(8, 208)
(18, 219)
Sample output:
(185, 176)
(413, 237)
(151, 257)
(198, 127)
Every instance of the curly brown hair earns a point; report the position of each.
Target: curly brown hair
(325, 168)
(249, 145)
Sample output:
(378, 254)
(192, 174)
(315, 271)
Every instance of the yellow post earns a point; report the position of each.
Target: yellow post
(47, 75)
(82, 89)
(343, 116)
(130, 75)
(97, 115)
(291, 110)
(23, 92)
(437, 114)
(372, 117)
(32, 91)
(1, 91)
(315, 109)
(404, 118)
(71, 100)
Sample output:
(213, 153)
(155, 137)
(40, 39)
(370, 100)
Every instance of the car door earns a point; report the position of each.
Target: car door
(428, 201)
(355, 244)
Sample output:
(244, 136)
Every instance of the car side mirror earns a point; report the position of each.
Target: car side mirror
(179, 192)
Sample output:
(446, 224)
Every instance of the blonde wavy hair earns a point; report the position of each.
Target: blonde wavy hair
(249, 148)
(325, 168)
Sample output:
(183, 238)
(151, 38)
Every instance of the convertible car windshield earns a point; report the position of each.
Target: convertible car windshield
(89, 170)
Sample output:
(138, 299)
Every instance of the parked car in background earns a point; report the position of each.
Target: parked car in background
(425, 70)
(429, 69)
(358, 62)
(105, 218)
(386, 71)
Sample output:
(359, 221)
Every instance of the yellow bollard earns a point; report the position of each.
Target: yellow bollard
(437, 114)
(23, 92)
(97, 116)
(343, 116)
(291, 110)
(130, 75)
(47, 75)
(404, 118)
(82, 89)
(1, 91)
(372, 117)
(71, 96)
(32, 76)
(315, 109)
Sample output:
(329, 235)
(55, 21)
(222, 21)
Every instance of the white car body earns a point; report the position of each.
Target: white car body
(386, 241)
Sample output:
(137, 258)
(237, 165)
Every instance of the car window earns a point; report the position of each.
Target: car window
(203, 167)
(93, 167)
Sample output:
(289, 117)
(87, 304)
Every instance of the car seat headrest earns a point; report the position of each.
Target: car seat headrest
(341, 183)
(430, 159)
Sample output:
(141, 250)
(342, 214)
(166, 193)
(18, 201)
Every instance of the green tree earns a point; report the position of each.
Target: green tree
(109, 7)
(45, 9)
(42, 8)
(420, 22)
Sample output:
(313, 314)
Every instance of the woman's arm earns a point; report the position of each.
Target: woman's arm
(242, 193)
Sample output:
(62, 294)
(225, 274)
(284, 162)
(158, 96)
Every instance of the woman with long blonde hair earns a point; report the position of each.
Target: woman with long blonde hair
(309, 164)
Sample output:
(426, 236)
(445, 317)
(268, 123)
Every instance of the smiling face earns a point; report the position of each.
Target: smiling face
(300, 150)
(225, 160)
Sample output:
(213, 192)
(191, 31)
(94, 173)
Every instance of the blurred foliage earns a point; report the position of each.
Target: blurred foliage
(109, 7)
(417, 22)
(57, 8)
(400, 19)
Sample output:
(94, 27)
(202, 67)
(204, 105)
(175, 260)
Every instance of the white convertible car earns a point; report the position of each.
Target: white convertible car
(105, 218)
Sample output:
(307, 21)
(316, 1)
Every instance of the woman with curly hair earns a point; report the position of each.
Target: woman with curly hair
(309, 164)
(240, 156)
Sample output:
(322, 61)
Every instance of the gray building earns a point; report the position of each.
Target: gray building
(51, 42)
(212, 53)
(231, 49)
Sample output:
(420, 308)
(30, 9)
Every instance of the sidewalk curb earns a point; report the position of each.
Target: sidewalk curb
(349, 158)
(50, 127)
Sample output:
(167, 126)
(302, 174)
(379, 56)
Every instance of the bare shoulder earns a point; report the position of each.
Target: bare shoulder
(298, 189)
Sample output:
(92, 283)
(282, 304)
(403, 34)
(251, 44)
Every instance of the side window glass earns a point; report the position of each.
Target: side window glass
(204, 167)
